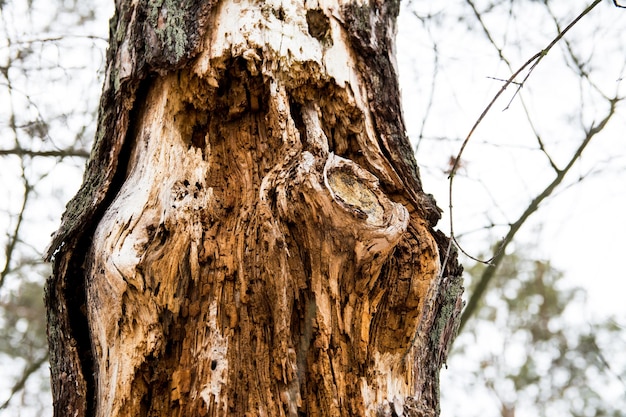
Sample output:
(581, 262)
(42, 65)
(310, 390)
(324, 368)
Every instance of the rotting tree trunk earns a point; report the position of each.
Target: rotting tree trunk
(251, 238)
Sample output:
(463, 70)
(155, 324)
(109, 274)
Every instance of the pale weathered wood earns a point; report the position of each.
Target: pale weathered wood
(262, 245)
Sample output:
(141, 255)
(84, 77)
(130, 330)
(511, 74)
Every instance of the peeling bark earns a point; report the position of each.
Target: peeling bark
(251, 237)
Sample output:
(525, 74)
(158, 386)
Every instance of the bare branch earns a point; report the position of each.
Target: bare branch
(489, 272)
(508, 63)
(433, 87)
(61, 153)
(487, 32)
(20, 383)
(12, 239)
(54, 39)
(532, 63)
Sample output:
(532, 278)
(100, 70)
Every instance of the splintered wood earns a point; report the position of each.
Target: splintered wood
(266, 253)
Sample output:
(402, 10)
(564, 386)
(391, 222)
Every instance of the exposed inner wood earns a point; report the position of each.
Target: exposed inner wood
(254, 261)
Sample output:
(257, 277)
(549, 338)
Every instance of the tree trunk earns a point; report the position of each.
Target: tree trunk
(251, 238)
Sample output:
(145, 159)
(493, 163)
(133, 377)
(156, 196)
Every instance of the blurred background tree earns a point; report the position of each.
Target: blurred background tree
(51, 58)
(533, 344)
(527, 352)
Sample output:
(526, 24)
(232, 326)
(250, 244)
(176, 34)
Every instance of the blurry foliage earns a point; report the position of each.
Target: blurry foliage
(23, 323)
(544, 357)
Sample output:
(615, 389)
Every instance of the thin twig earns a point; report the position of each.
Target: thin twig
(14, 237)
(532, 62)
(532, 207)
(19, 384)
(55, 39)
(61, 153)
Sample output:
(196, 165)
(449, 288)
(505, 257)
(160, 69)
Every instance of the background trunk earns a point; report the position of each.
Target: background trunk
(251, 237)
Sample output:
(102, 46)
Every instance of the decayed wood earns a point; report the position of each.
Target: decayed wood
(260, 243)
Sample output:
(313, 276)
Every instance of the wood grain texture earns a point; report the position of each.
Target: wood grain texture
(251, 237)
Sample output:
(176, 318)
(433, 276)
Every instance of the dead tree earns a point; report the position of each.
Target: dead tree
(251, 237)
